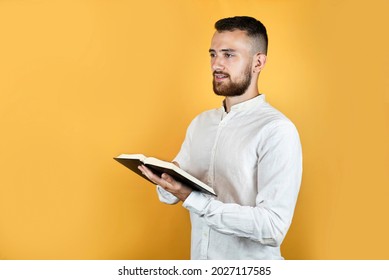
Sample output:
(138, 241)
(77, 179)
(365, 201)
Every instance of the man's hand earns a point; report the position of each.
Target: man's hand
(167, 182)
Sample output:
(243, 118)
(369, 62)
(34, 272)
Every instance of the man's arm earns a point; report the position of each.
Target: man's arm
(278, 181)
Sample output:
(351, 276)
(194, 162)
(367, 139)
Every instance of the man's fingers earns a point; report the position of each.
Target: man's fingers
(167, 178)
(164, 181)
(167, 182)
(144, 170)
(147, 172)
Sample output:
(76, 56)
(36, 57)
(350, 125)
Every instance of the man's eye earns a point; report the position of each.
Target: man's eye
(228, 55)
(212, 54)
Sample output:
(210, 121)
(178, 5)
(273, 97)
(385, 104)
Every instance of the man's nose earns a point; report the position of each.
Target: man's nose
(217, 64)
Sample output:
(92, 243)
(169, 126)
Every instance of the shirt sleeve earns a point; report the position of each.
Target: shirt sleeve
(278, 181)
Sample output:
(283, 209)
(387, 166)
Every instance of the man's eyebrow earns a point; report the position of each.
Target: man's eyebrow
(223, 50)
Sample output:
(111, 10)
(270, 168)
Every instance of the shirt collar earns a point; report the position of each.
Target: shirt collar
(248, 104)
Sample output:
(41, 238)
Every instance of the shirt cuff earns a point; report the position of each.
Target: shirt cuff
(166, 197)
(196, 202)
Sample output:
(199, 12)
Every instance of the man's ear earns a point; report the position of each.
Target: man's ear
(259, 62)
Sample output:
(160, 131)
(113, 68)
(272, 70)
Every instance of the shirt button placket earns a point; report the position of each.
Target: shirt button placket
(211, 178)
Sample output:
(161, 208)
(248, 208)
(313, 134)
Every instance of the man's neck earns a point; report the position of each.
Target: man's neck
(230, 101)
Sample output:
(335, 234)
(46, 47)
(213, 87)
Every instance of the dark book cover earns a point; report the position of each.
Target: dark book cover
(133, 163)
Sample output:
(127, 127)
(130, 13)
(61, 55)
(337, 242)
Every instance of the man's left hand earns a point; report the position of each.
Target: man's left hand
(168, 183)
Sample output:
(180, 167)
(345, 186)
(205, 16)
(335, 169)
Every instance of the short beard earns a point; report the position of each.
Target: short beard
(233, 88)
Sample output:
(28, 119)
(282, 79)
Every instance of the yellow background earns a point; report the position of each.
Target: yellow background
(83, 81)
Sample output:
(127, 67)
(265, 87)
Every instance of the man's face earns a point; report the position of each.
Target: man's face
(231, 62)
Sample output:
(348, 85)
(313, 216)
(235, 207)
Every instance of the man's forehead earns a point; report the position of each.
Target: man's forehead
(234, 40)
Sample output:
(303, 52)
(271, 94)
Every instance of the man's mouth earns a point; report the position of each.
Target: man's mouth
(220, 76)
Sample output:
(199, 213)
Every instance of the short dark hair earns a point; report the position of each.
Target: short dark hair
(253, 27)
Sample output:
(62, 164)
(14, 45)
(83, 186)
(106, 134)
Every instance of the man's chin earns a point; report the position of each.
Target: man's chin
(219, 89)
(227, 94)
(219, 92)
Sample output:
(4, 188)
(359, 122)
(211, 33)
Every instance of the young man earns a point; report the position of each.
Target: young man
(247, 151)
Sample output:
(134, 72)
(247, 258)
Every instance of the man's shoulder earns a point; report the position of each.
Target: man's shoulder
(209, 114)
(205, 118)
(266, 115)
(275, 122)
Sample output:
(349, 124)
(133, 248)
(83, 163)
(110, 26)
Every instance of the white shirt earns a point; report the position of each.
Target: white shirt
(252, 158)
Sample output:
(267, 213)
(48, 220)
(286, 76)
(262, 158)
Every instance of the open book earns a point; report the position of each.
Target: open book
(132, 161)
